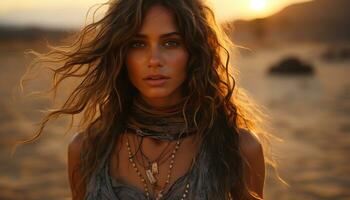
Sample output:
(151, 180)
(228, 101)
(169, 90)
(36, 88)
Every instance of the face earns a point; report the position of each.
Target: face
(157, 58)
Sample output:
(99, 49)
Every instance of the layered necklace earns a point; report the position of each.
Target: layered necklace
(152, 171)
(165, 124)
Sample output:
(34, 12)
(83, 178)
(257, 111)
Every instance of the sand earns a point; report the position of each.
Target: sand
(311, 115)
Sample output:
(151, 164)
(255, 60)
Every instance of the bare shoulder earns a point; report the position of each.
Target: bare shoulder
(253, 161)
(75, 144)
(74, 150)
(249, 143)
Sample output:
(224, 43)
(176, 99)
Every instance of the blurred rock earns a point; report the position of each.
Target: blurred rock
(291, 66)
(334, 54)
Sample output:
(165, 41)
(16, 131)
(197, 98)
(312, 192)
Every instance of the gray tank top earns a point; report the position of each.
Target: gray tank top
(102, 186)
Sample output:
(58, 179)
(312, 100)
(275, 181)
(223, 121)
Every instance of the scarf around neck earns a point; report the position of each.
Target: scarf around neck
(165, 123)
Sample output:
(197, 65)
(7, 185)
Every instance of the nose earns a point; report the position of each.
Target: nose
(155, 57)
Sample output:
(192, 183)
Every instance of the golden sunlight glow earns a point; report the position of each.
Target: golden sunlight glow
(258, 5)
(70, 13)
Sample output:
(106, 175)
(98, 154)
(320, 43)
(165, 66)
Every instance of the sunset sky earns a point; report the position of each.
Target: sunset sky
(71, 13)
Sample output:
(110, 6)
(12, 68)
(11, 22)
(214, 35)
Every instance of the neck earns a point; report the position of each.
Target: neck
(161, 102)
(167, 123)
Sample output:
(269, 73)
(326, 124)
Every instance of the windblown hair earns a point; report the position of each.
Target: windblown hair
(103, 96)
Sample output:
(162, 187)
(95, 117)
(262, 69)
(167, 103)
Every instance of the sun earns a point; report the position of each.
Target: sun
(258, 5)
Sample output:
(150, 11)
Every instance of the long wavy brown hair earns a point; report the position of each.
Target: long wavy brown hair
(214, 102)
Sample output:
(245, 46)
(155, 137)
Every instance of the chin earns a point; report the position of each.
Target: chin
(156, 93)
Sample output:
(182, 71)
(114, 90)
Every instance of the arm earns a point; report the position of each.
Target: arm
(74, 149)
(254, 163)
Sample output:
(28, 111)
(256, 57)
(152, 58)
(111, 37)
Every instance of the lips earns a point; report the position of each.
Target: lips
(156, 80)
(156, 76)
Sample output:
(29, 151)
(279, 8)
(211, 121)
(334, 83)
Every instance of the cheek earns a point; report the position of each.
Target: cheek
(179, 61)
(133, 64)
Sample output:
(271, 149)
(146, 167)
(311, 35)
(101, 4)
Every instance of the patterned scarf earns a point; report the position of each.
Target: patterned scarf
(166, 123)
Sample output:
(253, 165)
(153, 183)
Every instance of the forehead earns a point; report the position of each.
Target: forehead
(158, 20)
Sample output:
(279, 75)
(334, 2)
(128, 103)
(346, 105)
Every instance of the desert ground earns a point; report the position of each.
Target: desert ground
(310, 113)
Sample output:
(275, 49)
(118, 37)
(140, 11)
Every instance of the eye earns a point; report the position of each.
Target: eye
(171, 43)
(137, 44)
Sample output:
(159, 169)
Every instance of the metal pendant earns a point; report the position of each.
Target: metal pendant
(155, 169)
(150, 177)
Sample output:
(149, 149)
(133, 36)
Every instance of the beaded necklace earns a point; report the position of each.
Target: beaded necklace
(153, 165)
(166, 123)
(150, 176)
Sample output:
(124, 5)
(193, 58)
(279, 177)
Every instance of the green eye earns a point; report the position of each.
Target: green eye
(137, 44)
(171, 43)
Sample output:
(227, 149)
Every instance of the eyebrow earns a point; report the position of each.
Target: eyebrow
(162, 36)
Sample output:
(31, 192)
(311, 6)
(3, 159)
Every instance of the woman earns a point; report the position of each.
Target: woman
(163, 117)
